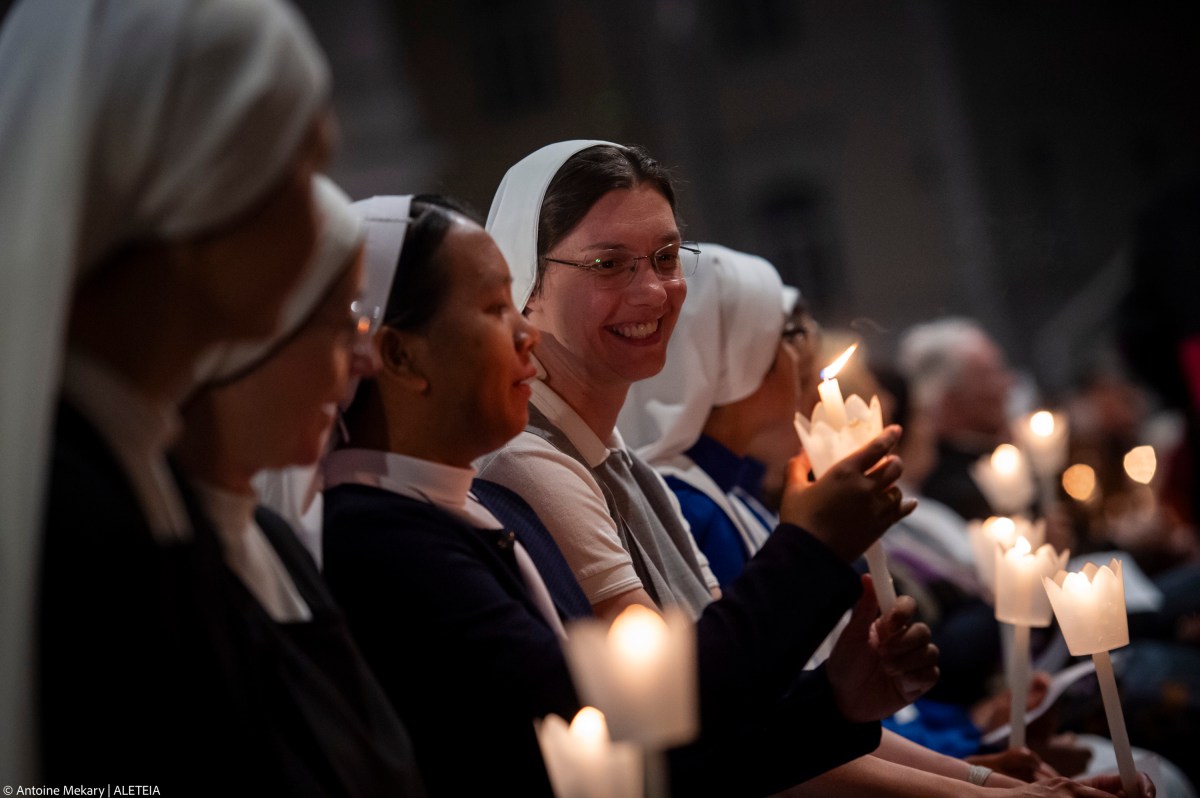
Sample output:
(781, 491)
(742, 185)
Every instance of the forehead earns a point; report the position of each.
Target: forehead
(639, 217)
(471, 258)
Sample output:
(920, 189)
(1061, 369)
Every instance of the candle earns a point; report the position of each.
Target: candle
(1004, 479)
(1140, 464)
(1001, 531)
(641, 673)
(1090, 608)
(837, 428)
(1043, 436)
(1021, 601)
(583, 762)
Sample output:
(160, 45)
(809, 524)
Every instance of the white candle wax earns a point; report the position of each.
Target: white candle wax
(581, 760)
(831, 398)
(641, 673)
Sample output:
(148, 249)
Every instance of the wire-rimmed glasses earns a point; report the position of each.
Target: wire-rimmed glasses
(615, 268)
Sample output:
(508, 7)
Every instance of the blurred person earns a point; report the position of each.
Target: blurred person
(271, 405)
(959, 377)
(155, 200)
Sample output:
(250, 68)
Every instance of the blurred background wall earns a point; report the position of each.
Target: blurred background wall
(897, 161)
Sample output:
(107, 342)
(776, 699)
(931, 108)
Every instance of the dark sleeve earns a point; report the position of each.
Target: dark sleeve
(755, 640)
(803, 736)
(716, 536)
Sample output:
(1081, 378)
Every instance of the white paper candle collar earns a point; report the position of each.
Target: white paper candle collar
(1090, 607)
(1004, 479)
(1020, 598)
(583, 763)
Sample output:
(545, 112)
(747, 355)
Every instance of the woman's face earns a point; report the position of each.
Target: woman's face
(610, 335)
(280, 413)
(475, 351)
(244, 271)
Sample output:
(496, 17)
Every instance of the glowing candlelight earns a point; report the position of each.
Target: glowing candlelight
(1141, 463)
(831, 392)
(1079, 481)
(1090, 607)
(1003, 478)
(641, 672)
(581, 760)
(1043, 437)
(1021, 601)
(1001, 531)
(837, 428)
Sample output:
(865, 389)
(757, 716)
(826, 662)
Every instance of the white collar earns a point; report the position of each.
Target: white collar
(563, 416)
(138, 431)
(441, 485)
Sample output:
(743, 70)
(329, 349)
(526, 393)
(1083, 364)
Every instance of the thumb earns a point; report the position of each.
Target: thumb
(865, 458)
(865, 611)
(798, 468)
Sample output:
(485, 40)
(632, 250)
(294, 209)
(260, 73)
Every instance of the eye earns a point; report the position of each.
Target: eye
(605, 264)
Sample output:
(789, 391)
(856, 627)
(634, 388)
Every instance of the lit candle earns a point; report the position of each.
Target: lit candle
(1043, 436)
(1004, 479)
(1001, 531)
(1090, 607)
(641, 672)
(837, 428)
(1021, 601)
(583, 762)
(1140, 464)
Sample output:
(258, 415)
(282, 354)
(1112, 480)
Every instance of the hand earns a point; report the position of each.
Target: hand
(994, 711)
(1063, 752)
(1112, 784)
(881, 664)
(854, 503)
(1019, 763)
(1054, 788)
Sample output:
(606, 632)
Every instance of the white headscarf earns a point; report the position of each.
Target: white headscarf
(295, 493)
(723, 345)
(119, 121)
(513, 218)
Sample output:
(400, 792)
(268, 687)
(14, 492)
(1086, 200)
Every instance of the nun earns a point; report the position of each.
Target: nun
(272, 405)
(729, 378)
(156, 161)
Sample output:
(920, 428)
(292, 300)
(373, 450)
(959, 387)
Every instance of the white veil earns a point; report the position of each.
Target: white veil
(116, 124)
(724, 344)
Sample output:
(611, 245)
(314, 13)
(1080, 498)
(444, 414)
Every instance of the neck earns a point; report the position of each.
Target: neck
(132, 318)
(409, 430)
(597, 402)
(724, 426)
(205, 454)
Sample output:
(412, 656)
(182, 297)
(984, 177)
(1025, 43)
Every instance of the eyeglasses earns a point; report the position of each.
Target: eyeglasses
(616, 268)
(797, 331)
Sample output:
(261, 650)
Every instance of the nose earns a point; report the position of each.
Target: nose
(646, 288)
(526, 336)
(364, 359)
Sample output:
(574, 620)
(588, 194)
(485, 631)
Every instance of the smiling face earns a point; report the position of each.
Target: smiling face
(599, 336)
(474, 353)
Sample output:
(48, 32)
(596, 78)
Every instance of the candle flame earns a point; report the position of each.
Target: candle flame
(1141, 463)
(1041, 423)
(638, 634)
(589, 726)
(1006, 459)
(1022, 547)
(831, 371)
(1000, 529)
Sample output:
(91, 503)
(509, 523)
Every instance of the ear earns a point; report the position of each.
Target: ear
(399, 356)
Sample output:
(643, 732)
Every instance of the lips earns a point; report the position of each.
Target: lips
(636, 331)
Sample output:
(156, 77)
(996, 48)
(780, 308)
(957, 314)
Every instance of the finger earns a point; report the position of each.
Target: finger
(874, 450)
(906, 508)
(911, 662)
(914, 685)
(897, 619)
(1146, 787)
(886, 471)
(865, 611)
(797, 471)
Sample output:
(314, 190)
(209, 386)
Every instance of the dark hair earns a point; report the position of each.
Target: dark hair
(419, 286)
(580, 183)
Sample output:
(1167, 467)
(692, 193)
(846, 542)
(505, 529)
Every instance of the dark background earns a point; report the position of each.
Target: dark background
(896, 160)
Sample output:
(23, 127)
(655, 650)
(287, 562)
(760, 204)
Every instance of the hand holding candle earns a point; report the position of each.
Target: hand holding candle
(838, 428)
(1090, 607)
